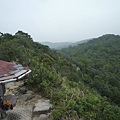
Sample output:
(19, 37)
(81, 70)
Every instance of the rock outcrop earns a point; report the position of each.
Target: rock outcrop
(30, 106)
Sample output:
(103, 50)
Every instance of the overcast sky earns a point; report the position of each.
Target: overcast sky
(60, 20)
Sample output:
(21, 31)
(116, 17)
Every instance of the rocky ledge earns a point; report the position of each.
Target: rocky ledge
(30, 106)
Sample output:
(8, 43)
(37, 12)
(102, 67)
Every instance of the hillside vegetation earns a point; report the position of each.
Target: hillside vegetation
(57, 78)
(99, 62)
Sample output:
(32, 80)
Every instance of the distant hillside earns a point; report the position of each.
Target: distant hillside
(57, 45)
(60, 45)
(63, 81)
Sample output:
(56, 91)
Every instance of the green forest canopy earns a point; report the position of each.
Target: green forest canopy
(99, 60)
(68, 83)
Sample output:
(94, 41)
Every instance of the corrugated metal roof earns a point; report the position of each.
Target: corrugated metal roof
(10, 70)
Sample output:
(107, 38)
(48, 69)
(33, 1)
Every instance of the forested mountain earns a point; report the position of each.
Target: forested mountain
(64, 81)
(99, 61)
(60, 45)
(57, 45)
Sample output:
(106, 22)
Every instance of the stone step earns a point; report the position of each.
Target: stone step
(42, 107)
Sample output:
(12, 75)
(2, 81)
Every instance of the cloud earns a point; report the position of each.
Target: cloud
(60, 20)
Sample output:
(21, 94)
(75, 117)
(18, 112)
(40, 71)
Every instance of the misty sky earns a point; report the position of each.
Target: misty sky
(60, 20)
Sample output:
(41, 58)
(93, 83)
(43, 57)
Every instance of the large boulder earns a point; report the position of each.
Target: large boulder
(12, 99)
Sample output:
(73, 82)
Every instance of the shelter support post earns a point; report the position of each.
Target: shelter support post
(2, 92)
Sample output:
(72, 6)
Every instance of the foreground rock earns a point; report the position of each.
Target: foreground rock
(20, 113)
(43, 117)
(42, 107)
(26, 97)
(30, 106)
